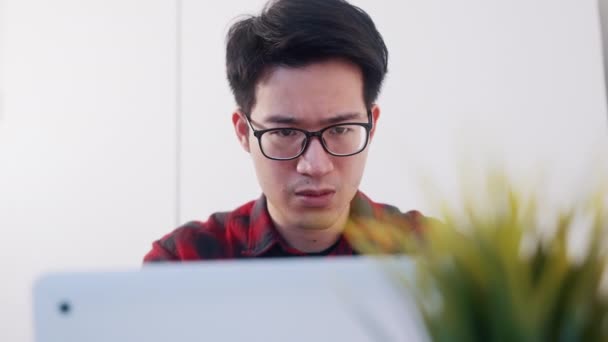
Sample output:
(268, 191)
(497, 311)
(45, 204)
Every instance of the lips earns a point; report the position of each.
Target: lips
(314, 193)
(315, 198)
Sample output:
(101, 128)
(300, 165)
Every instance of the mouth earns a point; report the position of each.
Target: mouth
(314, 193)
(315, 198)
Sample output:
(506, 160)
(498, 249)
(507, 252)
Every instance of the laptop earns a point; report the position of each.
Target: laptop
(303, 299)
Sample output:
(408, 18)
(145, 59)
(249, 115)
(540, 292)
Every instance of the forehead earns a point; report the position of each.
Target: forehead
(310, 94)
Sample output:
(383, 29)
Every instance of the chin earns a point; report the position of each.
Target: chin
(316, 219)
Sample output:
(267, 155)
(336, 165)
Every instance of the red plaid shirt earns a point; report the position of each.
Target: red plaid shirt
(248, 232)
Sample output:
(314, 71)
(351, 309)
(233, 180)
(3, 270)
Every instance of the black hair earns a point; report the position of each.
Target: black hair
(296, 33)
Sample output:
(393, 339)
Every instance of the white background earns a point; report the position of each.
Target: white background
(115, 122)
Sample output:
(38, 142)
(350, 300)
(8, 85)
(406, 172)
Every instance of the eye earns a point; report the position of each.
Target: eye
(340, 130)
(285, 132)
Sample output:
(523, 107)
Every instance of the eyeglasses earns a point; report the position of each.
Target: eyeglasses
(340, 140)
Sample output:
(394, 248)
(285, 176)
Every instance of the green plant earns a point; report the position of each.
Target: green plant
(492, 271)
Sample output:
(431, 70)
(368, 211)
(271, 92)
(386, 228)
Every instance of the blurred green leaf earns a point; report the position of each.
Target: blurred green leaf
(489, 272)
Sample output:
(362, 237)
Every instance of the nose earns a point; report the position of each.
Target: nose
(315, 161)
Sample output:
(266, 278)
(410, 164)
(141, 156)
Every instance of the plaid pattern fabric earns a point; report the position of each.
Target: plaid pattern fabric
(248, 232)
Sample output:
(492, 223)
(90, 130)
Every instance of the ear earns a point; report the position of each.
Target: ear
(375, 116)
(241, 128)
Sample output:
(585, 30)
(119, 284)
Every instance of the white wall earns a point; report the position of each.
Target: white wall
(216, 173)
(2, 22)
(87, 141)
(89, 148)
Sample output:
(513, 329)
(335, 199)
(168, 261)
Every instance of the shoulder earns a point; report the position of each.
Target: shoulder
(365, 206)
(222, 235)
(414, 220)
(383, 228)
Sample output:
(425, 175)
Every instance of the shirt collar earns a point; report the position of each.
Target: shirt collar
(263, 235)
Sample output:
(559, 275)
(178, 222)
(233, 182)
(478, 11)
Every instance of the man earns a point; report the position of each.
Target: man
(305, 75)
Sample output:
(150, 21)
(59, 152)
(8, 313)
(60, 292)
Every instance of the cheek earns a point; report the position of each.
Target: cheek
(351, 169)
(273, 176)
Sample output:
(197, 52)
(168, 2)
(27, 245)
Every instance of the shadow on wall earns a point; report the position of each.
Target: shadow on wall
(603, 5)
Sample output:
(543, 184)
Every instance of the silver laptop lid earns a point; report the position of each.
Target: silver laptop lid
(341, 299)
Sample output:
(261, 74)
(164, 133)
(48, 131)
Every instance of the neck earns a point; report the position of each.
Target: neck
(312, 240)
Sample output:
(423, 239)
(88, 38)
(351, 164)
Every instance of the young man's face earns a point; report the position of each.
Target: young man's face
(314, 190)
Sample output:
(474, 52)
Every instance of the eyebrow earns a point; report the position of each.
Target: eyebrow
(290, 120)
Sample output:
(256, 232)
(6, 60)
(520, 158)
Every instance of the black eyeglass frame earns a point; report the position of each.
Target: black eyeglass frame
(319, 134)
